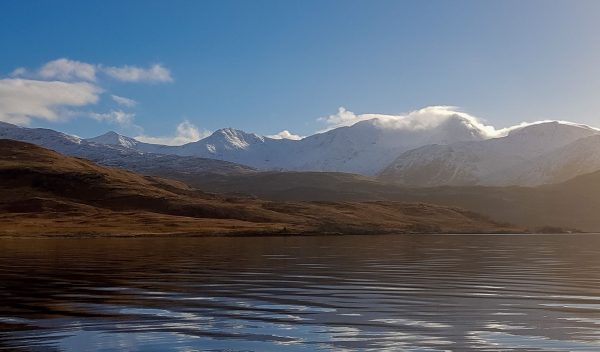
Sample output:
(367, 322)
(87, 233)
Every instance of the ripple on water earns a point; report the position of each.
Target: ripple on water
(368, 293)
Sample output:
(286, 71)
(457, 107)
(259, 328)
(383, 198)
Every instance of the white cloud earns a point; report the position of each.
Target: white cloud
(64, 69)
(22, 100)
(114, 116)
(50, 92)
(342, 118)
(285, 134)
(67, 70)
(155, 73)
(426, 118)
(186, 133)
(123, 101)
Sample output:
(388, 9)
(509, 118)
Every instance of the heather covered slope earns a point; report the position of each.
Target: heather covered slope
(574, 204)
(44, 192)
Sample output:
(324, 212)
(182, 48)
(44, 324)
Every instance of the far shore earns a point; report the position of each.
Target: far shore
(89, 235)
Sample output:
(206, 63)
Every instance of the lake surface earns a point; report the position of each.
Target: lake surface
(354, 293)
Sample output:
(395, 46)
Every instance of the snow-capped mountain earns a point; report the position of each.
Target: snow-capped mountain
(117, 151)
(452, 152)
(61, 142)
(577, 158)
(497, 161)
(364, 148)
(368, 146)
(113, 138)
(235, 146)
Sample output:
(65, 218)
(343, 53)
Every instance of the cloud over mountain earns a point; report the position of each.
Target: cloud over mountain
(186, 132)
(422, 119)
(285, 134)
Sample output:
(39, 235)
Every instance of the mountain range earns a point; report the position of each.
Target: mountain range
(120, 155)
(542, 174)
(364, 148)
(453, 152)
(43, 192)
(527, 156)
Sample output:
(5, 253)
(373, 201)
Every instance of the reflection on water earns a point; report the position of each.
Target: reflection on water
(367, 293)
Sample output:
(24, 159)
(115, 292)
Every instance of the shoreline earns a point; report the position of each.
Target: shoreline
(264, 234)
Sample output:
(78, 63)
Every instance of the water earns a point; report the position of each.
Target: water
(354, 293)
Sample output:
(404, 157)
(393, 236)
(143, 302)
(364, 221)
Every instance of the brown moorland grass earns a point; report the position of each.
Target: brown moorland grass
(45, 193)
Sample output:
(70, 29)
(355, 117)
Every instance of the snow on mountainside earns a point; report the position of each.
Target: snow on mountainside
(117, 152)
(228, 144)
(367, 146)
(51, 139)
(113, 138)
(497, 161)
(116, 140)
(364, 148)
(451, 150)
(577, 158)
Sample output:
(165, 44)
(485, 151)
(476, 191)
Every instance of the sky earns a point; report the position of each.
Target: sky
(172, 71)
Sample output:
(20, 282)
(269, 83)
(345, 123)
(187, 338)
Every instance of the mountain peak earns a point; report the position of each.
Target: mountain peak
(234, 138)
(552, 127)
(113, 138)
(234, 131)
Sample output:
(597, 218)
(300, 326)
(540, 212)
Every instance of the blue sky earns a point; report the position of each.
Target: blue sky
(268, 66)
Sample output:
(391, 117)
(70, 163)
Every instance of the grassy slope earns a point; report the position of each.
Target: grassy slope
(571, 204)
(43, 192)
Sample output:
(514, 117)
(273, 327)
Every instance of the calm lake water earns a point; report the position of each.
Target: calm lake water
(354, 293)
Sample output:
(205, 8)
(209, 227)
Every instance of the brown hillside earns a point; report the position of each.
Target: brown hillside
(43, 192)
(574, 204)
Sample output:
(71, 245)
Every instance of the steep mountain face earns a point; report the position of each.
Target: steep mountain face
(224, 143)
(235, 146)
(499, 161)
(112, 149)
(364, 148)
